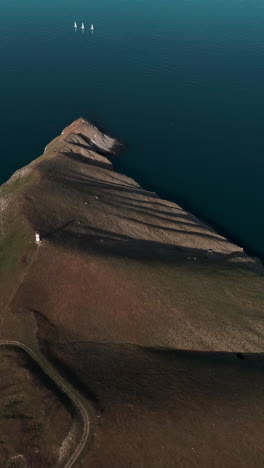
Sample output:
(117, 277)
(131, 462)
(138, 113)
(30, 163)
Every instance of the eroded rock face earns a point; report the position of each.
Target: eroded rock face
(83, 141)
(154, 317)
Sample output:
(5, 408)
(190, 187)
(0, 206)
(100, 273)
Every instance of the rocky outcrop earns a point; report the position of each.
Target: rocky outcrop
(83, 141)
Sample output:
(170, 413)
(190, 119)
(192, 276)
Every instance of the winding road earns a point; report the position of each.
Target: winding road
(48, 369)
(65, 388)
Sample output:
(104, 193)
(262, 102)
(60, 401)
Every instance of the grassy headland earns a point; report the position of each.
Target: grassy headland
(154, 317)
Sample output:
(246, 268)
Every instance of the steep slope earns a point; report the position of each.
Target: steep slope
(154, 318)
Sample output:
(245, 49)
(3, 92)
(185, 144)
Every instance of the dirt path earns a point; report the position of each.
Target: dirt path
(66, 389)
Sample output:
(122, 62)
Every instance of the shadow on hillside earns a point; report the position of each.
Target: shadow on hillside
(88, 184)
(106, 193)
(84, 159)
(81, 140)
(111, 371)
(194, 397)
(81, 182)
(84, 237)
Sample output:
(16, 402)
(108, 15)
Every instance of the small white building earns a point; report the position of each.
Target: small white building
(37, 236)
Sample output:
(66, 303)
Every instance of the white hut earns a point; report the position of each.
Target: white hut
(37, 236)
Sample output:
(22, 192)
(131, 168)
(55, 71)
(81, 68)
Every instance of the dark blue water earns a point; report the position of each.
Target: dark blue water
(180, 81)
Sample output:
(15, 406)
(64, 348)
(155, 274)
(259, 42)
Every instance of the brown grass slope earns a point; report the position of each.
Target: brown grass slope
(141, 306)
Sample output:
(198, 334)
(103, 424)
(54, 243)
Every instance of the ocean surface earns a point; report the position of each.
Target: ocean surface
(181, 82)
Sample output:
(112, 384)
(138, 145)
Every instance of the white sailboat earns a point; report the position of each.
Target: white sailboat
(92, 27)
(82, 27)
(75, 25)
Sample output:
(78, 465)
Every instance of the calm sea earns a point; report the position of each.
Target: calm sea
(181, 82)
